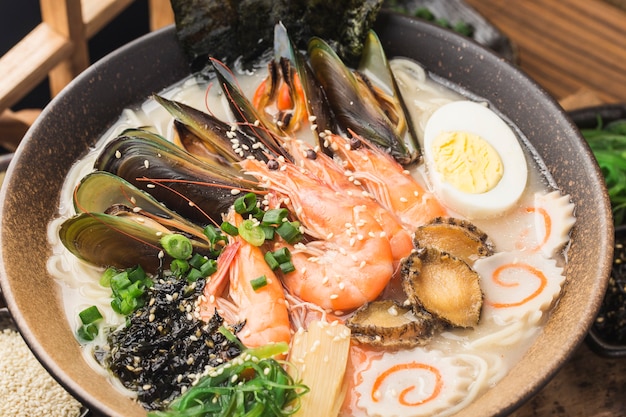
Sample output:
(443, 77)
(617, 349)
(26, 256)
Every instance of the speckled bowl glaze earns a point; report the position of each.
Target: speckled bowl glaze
(92, 102)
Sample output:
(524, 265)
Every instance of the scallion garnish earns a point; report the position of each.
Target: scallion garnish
(179, 267)
(208, 267)
(245, 204)
(270, 231)
(87, 332)
(89, 318)
(259, 282)
(274, 216)
(229, 228)
(287, 267)
(290, 231)
(250, 231)
(282, 255)
(90, 315)
(105, 278)
(197, 260)
(271, 260)
(194, 274)
(213, 234)
(177, 246)
(128, 288)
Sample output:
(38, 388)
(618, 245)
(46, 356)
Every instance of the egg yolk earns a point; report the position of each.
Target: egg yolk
(467, 162)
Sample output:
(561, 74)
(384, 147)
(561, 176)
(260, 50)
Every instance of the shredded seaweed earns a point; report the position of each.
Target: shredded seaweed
(227, 30)
(164, 347)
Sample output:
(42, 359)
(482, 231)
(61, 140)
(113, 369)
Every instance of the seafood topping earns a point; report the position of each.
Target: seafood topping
(388, 323)
(443, 285)
(458, 237)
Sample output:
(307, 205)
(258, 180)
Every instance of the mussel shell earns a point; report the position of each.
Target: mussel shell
(98, 191)
(106, 240)
(250, 121)
(355, 109)
(209, 135)
(194, 189)
(375, 67)
(315, 98)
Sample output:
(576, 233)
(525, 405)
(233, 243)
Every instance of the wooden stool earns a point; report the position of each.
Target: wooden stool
(57, 49)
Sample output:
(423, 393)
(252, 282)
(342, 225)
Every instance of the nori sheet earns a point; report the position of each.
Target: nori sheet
(228, 29)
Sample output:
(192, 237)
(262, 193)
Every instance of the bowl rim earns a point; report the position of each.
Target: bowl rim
(426, 29)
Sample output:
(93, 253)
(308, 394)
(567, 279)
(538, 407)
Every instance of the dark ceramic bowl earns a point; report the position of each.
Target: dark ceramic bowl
(80, 114)
(601, 339)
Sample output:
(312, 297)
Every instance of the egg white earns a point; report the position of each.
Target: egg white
(477, 119)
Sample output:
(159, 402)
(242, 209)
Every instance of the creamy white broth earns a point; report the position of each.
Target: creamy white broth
(487, 352)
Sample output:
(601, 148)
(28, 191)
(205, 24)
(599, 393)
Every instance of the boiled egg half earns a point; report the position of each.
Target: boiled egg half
(474, 160)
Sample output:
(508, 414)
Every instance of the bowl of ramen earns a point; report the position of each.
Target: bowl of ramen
(172, 244)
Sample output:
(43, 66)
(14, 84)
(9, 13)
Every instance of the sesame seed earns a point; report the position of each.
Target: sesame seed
(150, 186)
(118, 154)
(334, 296)
(403, 200)
(235, 191)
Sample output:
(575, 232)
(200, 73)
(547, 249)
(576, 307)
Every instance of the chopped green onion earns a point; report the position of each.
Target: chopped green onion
(250, 231)
(119, 282)
(229, 229)
(287, 267)
(274, 216)
(128, 288)
(197, 260)
(290, 231)
(282, 255)
(245, 204)
(87, 332)
(270, 231)
(258, 283)
(179, 267)
(137, 274)
(194, 275)
(271, 260)
(134, 290)
(208, 268)
(105, 278)
(177, 246)
(213, 234)
(90, 315)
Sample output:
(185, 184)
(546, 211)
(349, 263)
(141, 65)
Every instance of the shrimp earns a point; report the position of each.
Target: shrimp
(390, 184)
(351, 261)
(264, 309)
(323, 167)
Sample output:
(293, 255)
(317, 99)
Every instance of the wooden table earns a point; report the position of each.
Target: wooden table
(573, 48)
(576, 50)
